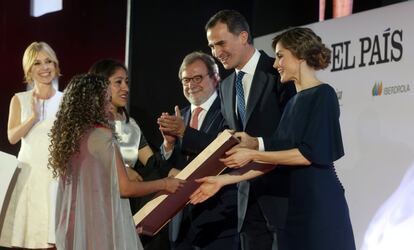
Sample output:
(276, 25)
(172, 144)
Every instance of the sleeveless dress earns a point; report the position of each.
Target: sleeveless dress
(30, 214)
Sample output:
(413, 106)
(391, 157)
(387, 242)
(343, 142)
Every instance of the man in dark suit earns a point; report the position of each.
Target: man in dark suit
(254, 106)
(211, 225)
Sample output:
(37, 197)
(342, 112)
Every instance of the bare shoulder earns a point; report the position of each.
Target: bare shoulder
(14, 111)
(15, 101)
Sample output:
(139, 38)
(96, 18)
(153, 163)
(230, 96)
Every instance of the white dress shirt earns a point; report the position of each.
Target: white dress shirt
(206, 106)
(247, 80)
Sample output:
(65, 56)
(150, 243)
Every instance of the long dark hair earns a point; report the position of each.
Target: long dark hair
(106, 68)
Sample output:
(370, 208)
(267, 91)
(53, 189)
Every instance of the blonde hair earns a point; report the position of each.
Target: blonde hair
(30, 55)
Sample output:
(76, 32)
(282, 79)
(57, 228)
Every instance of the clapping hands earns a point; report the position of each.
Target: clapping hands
(171, 125)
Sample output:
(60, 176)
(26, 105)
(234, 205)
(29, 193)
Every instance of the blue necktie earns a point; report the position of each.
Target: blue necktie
(241, 105)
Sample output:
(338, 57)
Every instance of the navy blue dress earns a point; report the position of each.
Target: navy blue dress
(318, 216)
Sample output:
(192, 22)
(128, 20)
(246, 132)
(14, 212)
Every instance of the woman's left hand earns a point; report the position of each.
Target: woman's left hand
(237, 157)
(210, 185)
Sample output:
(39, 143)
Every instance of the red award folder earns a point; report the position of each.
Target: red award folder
(159, 211)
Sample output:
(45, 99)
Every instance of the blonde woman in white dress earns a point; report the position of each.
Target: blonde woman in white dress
(29, 216)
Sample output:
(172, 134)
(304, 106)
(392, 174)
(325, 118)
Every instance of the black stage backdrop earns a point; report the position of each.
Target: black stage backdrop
(160, 36)
(163, 34)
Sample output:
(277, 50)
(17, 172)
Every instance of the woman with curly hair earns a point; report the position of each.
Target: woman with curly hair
(141, 161)
(306, 144)
(29, 219)
(92, 210)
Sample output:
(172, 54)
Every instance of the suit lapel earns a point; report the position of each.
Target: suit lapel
(211, 114)
(186, 115)
(228, 97)
(259, 82)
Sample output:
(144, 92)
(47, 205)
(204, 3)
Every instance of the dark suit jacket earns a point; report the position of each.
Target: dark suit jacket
(265, 105)
(266, 102)
(194, 141)
(217, 217)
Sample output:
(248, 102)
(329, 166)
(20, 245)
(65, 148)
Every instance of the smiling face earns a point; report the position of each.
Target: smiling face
(198, 92)
(119, 87)
(286, 64)
(43, 69)
(227, 47)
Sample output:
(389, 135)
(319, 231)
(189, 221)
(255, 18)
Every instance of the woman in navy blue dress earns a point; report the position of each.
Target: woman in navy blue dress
(306, 144)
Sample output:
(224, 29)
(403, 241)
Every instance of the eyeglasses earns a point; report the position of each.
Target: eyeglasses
(195, 79)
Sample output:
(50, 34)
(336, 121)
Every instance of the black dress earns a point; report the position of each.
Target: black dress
(318, 216)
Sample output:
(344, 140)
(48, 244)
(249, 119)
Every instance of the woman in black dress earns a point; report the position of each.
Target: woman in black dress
(306, 144)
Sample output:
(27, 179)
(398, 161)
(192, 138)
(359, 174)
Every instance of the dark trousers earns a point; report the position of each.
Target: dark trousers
(225, 243)
(192, 237)
(256, 232)
(157, 242)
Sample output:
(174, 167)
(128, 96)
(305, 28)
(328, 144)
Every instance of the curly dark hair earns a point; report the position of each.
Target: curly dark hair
(82, 108)
(305, 44)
